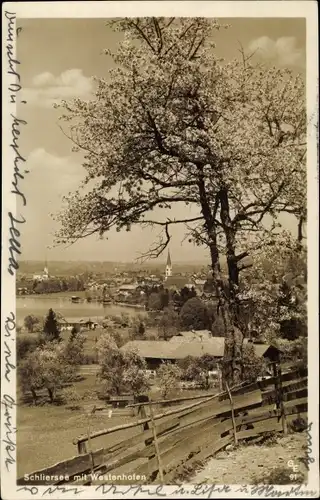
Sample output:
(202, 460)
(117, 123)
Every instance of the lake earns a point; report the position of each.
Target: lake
(39, 306)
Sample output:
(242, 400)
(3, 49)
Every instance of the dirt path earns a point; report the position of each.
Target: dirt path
(268, 463)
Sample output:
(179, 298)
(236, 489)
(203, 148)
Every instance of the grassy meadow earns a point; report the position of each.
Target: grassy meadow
(46, 432)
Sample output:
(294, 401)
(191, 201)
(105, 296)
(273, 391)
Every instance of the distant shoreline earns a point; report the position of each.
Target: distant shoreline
(68, 295)
(63, 295)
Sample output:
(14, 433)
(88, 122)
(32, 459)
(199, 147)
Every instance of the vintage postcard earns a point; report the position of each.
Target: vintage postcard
(159, 312)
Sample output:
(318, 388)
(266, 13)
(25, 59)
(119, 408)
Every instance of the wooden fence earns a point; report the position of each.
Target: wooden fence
(166, 441)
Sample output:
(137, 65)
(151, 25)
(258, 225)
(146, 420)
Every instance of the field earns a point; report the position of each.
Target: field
(45, 432)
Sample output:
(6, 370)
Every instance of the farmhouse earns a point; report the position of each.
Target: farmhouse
(157, 352)
(81, 323)
(154, 352)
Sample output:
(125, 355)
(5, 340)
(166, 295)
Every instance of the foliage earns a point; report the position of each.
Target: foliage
(29, 374)
(169, 379)
(70, 395)
(30, 321)
(173, 125)
(253, 365)
(54, 369)
(137, 329)
(180, 298)
(295, 351)
(74, 332)
(274, 291)
(74, 349)
(194, 315)
(51, 327)
(197, 369)
(184, 364)
(169, 323)
(120, 370)
(118, 336)
(45, 367)
(154, 301)
(26, 344)
(54, 285)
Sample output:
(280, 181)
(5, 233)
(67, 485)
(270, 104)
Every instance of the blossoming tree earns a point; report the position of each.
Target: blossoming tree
(175, 125)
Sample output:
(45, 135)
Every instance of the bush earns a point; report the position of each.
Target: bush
(253, 366)
(26, 344)
(120, 371)
(298, 425)
(90, 359)
(295, 351)
(169, 379)
(69, 395)
(194, 315)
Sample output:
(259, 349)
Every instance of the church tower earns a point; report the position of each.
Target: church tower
(168, 266)
(45, 275)
(45, 272)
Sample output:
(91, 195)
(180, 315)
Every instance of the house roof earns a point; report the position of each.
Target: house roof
(213, 347)
(176, 281)
(179, 349)
(76, 320)
(260, 349)
(159, 349)
(128, 287)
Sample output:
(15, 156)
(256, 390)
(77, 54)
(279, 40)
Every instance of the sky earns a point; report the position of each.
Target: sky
(58, 58)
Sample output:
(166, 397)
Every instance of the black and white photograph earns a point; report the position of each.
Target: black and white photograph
(160, 250)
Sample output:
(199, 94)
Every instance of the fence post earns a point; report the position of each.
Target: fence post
(281, 401)
(279, 396)
(142, 410)
(156, 444)
(82, 449)
(232, 416)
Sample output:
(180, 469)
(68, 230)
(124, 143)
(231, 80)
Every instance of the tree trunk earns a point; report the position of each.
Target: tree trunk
(34, 396)
(233, 346)
(223, 300)
(51, 394)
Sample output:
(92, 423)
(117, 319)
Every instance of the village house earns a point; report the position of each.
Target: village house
(179, 347)
(67, 324)
(127, 289)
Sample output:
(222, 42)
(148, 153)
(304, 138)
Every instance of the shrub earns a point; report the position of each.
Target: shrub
(169, 379)
(194, 315)
(253, 366)
(26, 344)
(69, 395)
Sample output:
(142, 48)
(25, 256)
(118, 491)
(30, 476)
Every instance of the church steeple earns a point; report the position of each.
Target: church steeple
(46, 269)
(168, 271)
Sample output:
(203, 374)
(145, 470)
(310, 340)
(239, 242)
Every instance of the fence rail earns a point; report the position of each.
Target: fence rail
(181, 436)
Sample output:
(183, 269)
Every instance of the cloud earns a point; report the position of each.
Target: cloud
(283, 51)
(48, 89)
(50, 177)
